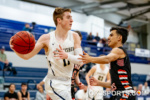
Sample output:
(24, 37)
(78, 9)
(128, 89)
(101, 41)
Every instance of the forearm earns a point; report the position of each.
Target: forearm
(104, 84)
(29, 55)
(41, 83)
(6, 98)
(74, 59)
(77, 80)
(23, 56)
(2, 61)
(100, 60)
(38, 46)
(28, 96)
(87, 80)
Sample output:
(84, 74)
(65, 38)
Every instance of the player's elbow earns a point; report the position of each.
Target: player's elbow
(107, 60)
(25, 58)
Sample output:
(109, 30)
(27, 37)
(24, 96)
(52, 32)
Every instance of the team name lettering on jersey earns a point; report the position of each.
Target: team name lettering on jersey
(69, 49)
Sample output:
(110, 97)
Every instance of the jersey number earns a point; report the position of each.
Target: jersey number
(100, 78)
(65, 62)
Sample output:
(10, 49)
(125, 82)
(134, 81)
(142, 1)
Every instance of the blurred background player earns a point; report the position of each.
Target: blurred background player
(23, 94)
(120, 68)
(11, 94)
(40, 94)
(4, 64)
(99, 72)
(41, 84)
(145, 89)
(56, 44)
(27, 28)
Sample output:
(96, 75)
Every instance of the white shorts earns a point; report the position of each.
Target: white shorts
(80, 94)
(56, 90)
(97, 94)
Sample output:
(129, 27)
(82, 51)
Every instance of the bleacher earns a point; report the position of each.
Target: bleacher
(9, 27)
(138, 79)
(32, 76)
(35, 75)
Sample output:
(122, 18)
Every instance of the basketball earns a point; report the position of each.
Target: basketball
(23, 42)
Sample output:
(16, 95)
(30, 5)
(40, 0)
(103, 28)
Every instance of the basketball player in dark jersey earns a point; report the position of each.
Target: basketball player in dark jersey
(23, 94)
(120, 68)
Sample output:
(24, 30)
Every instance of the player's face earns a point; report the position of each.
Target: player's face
(2, 51)
(24, 87)
(113, 39)
(40, 89)
(27, 25)
(12, 88)
(67, 20)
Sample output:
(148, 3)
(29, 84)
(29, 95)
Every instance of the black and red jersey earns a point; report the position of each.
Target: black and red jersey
(120, 71)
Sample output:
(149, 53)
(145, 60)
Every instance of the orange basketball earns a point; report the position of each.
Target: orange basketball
(23, 42)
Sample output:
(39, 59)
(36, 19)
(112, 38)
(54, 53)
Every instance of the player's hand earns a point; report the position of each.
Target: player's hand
(10, 43)
(93, 81)
(61, 54)
(89, 86)
(113, 87)
(81, 85)
(85, 58)
(37, 86)
(6, 62)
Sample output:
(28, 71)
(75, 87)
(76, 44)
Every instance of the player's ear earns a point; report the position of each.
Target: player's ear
(119, 37)
(58, 20)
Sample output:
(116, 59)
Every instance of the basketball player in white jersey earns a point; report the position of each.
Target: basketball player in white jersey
(58, 81)
(99, 72)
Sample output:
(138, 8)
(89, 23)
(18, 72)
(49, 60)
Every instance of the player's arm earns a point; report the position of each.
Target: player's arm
(19, 96)
(42, 82)
(90, 73)
(77, 80)
(28, 96)
(95, 82)
(2, 60)
(108, 77)
(112, 56)
(77, 50)
(38, 46)
(6, 98)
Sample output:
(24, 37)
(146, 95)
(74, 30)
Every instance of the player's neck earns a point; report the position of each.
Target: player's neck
(11, 91)
(102, 66)
(23, 91)
(117, 45)
(61, 33)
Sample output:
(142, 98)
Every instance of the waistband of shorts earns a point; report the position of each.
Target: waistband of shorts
(59, 78)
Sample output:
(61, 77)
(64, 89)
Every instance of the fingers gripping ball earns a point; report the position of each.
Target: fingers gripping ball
(23, 42)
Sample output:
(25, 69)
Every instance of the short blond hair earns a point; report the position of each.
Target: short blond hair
(58, 13)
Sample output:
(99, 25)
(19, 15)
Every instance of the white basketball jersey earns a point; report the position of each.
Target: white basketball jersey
(100, 74)
(62, 67)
